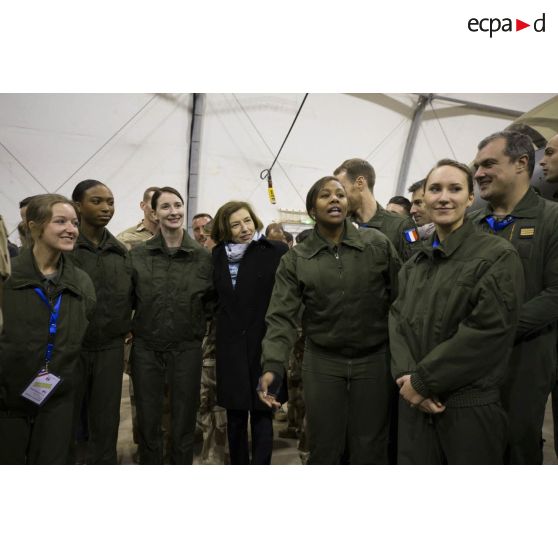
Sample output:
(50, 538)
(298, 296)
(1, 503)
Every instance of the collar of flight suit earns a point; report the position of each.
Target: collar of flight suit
(527, 208)
(315, 243)
(377, 221)
(157, 243)
(108, 243)
(450, 244)
(27, 274)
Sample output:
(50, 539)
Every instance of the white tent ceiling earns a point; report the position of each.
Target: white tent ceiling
(50, 142)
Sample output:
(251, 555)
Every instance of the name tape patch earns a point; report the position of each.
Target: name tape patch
(527, 232)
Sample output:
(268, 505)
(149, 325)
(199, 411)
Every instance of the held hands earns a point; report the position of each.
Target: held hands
(266, 379)
(429, 405)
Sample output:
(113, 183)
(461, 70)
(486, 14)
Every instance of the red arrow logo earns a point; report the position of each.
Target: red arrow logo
(519, 25)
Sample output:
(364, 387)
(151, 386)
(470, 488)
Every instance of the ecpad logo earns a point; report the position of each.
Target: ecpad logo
(494, 24)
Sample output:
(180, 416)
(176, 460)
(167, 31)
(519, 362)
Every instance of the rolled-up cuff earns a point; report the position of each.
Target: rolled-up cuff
(278, 371)
(419, 386)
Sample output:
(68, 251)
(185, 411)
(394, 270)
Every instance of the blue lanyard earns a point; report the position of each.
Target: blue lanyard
(435, 242)
(499, 224)
(54, 313)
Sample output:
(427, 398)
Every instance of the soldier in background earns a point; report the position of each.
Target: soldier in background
(5, 267)
(295, 407)
(297, 398)
(549, 164)
(198, 223)
(24, 237)
(146, 228)
(400, 205)
(358, 177)
(275, 231)
(418, 212)
(213, 419)
(504, 165)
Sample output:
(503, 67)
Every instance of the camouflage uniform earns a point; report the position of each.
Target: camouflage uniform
(4, 260)
(134, 235)
(213, 419)
(296, 397)
(4, 257)
(296, 410)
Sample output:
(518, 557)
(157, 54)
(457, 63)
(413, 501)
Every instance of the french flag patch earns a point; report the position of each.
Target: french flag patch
(411, 235)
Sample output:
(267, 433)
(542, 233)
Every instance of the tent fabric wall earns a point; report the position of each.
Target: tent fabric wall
(242, 134)
(49, 142)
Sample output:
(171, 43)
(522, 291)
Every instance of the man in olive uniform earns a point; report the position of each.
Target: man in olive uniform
(358, 178)
(503, 167)
(549, 164)
(420, 216)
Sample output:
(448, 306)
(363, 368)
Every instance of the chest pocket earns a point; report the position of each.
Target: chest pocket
(525, 248)
(525, 237)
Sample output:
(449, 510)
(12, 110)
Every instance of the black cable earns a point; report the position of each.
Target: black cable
(268, 148)
(266, 173)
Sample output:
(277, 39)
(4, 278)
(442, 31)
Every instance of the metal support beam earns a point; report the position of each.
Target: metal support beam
(192, 186)
(480, 106)
(423, 100)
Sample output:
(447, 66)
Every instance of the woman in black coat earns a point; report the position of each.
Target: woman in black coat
(244, 273)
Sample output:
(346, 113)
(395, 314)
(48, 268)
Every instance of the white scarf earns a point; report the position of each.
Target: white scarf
(235, 252)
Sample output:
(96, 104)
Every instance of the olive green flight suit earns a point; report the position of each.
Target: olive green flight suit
(101, 360)
(346, 291)
(174, 298)
(29, 433)
(532, 368)
(452, 328)
(394, 226)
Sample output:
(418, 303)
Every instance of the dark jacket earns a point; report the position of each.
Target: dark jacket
(110, 269)
(173, 294)
(26, 330)
(453, 325)
(241, 322)
(397, 228)
(346, 292)
(535, 236)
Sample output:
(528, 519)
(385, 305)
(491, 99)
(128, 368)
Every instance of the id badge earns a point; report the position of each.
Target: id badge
(41, 387)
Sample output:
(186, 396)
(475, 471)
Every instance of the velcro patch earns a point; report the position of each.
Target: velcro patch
(411, 235)
(527, 232)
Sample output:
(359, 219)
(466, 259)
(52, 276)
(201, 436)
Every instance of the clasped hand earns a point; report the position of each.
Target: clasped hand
(429, 405)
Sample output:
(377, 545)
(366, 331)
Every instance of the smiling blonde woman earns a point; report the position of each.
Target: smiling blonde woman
(451, 332)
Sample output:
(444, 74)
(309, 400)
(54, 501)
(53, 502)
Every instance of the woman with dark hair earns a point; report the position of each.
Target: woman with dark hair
(173, 301)
(451, 332)
(47, 305)
(344, 279)
(107, 262)
(244, 273)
